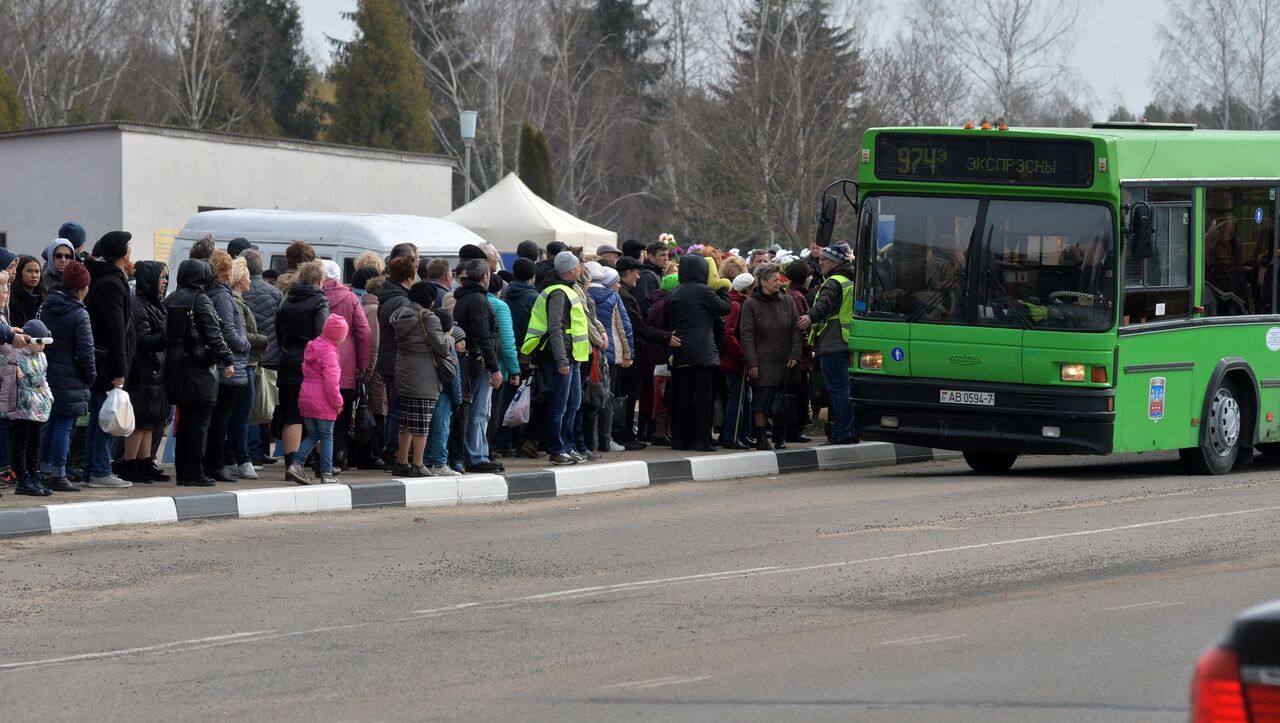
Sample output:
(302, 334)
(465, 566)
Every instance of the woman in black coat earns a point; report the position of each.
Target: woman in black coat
(194, 346)
(300, 319)
(695, 311)
(145, 382)
(25, 296)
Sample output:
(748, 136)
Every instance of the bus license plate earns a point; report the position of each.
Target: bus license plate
(985, 399)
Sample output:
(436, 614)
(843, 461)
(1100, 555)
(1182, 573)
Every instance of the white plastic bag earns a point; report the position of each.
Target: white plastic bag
(116, 417)
(518, 413)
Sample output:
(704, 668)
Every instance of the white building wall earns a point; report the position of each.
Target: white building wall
(46, 180)
(168, 176)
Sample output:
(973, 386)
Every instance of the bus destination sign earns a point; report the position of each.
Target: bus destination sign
(993, 160)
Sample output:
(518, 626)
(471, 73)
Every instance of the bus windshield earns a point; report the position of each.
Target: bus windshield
(988, 262)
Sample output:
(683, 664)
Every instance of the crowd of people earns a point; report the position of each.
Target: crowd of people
(418, 366)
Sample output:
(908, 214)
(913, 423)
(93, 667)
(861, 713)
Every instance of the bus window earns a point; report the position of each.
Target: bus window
(1159, 288)
(1239, 245)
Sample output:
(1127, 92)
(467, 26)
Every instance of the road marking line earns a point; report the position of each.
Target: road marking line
(643, 682)
(680, 681)
(236, 637)
(1152, 605)
(658, 682)
(924, 639)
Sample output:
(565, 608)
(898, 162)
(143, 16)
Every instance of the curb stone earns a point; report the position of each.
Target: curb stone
(452, 491)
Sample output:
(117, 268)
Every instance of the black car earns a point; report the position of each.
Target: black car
(1238, 680)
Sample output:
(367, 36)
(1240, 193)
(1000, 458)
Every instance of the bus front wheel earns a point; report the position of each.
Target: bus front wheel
(1221, 447)
(990, 462)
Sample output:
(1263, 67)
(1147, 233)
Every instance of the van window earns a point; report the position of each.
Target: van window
(279, 263)
(348, 269)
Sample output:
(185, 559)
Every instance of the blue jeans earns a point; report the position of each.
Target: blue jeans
(737, 410)
(54, 443)
(835, 374)
(318, 431)
(238, 429)
(564, 396)
(438, 438)
(98, 445)
(477, 439)
(259, 440)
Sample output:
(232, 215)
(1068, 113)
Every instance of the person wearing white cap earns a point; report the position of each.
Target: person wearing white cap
(353, 355)
(617, 355)
(736, 431)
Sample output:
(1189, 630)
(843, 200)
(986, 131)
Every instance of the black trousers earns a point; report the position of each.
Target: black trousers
(693, 389)
(26, 448)
(189, 441)
(630, 387)
(214, 448)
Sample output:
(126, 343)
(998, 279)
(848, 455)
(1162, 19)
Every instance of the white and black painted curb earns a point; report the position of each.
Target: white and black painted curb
(449, 491)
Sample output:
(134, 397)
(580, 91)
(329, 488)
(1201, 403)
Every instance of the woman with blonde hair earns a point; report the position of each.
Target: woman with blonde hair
(370, 260)
(229, 387)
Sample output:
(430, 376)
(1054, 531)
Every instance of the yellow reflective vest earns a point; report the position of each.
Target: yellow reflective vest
(536, 337)
(845, 315)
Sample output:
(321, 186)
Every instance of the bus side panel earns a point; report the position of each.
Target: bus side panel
(1159, 388)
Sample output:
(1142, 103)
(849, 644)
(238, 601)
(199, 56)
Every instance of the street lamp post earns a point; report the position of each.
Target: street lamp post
(467, 124)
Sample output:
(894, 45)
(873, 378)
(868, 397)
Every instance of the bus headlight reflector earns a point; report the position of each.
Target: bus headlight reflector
(871, 360)
(889, 422)
(1072, 373)
(1051, 432)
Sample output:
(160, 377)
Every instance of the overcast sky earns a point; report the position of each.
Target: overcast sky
(1115, 51)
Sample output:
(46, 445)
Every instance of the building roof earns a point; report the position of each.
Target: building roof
(238, 139)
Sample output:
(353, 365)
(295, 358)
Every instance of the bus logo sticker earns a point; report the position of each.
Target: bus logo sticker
(898, 354)
(1155, 399)
(1257, 216)
(1273, 338)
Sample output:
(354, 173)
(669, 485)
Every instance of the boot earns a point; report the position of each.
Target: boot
(779, 437)
(128, 470)
(762, 439)
(149, 467)
(288, 462)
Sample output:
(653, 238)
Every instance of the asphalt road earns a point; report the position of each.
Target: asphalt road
(1073, 589)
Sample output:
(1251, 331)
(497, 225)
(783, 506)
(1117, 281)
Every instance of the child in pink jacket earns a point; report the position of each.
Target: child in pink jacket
(320, 400)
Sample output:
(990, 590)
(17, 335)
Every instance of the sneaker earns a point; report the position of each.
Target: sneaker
(560, 459)
(578, 456)
(402, 470)
(295, 473)
(615, 447)
(440, 470)
(222, 474)
(264, 461)
(246, 471)
(424, 469)
(58, 484)
(592, 455)
(417, 471)
(8, 477)
(32, 488)
(328, 479)
(110, 480)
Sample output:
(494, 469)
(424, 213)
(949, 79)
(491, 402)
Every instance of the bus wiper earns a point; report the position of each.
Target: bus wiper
(938, 296)
(1014, 309)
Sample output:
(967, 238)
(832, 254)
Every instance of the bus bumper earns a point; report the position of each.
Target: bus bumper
(1025, 419)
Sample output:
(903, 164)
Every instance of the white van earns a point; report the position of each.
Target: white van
(341, 237)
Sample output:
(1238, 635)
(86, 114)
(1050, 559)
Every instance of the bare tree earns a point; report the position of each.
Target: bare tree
(1200, 58)
(68, 56)
(196, 32)
(1014, 48)
(918, 78)
(1259, 33)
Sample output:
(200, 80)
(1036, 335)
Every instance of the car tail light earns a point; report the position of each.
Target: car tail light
(1262, 692)
(1216, 693)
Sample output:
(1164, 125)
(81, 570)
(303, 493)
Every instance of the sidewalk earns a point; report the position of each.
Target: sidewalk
(165, 502)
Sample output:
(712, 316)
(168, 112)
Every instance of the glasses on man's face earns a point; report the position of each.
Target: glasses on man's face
(68, 257)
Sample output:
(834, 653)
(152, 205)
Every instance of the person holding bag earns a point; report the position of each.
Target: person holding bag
(771, 349)
(145, 383)
(195, 345)
(239, 427)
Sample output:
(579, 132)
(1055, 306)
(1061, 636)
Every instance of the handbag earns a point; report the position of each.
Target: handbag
(194, 344)
(266, 395)
(597, 392)
(782, 408)
(116, 417)
(363, 423)
(446, 367)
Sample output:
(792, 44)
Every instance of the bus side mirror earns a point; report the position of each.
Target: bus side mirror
(826, 221)
(1141, 231)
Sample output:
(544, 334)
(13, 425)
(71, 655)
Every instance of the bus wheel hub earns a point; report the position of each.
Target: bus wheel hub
(1224, 423)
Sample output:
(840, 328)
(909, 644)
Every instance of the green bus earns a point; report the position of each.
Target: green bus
(1067, 291)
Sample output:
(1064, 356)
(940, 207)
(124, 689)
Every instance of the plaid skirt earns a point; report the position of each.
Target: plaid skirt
(415, 415)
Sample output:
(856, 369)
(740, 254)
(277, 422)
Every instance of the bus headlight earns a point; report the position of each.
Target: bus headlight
(1072, 373)
(871, 360)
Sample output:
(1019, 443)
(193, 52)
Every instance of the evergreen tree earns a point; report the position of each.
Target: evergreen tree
(272, 67)
(11, 116)
(536, 168)
(381, 94)
(628, 34)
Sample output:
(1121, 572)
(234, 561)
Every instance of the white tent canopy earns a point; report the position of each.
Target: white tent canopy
(509, 213)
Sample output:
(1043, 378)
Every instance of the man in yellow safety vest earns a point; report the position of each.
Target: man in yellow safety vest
(828, 323)
(558, 340)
